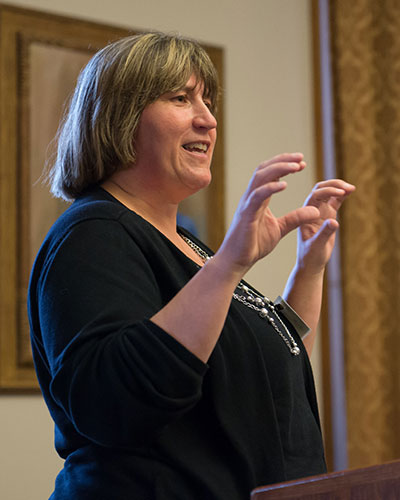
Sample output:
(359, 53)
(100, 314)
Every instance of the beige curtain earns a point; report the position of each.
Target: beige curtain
(365, 41)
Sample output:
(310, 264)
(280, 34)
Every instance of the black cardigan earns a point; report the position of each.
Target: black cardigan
(137, 416)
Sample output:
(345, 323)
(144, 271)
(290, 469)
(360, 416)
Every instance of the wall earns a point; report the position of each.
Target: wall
(268, 110)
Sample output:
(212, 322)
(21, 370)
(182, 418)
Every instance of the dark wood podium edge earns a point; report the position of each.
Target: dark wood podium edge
(325, 483)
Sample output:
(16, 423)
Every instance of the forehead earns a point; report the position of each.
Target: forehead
(194, 81)
(194, 84)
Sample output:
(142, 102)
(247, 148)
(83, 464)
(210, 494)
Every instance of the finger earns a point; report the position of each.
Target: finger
(284, 157)
(274, 172)
(301, 165)
(336, 202)
(297, 217)
(337, 183)
(261, 195)
(324, 194)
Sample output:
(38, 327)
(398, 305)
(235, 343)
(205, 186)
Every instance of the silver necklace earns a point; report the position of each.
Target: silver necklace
(253, 300)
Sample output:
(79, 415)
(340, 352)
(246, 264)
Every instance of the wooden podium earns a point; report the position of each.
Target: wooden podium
(379, 482)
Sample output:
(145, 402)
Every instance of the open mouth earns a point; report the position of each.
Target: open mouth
(196, 147)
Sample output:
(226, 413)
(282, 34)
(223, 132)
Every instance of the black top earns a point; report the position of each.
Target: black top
(138, 416)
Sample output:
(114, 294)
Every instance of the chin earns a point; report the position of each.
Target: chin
(203, 181)
(194, 186)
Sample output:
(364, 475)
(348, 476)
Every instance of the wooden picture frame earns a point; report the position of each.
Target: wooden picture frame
(40, 57)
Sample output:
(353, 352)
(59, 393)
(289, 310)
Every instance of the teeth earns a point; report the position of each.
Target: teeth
(196, 146)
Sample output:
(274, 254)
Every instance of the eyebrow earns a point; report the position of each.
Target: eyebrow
(189, 89)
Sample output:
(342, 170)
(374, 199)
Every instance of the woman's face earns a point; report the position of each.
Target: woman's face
(175, 142)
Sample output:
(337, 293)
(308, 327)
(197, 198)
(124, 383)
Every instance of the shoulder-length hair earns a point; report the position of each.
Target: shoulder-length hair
(96, 135)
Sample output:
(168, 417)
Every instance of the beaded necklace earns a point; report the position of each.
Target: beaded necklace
(253, 300)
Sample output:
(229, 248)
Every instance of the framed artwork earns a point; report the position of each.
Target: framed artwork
(41, 56)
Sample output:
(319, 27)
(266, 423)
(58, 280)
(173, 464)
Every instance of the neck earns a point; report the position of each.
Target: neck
(159, 213)
(151, 204)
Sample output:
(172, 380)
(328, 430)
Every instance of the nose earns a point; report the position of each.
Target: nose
(203, 118)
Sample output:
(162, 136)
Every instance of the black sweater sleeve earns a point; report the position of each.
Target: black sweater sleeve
(117, 377)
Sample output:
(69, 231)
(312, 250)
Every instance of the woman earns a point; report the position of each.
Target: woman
(166, 375)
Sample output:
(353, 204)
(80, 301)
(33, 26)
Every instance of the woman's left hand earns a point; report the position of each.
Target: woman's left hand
(316, 239)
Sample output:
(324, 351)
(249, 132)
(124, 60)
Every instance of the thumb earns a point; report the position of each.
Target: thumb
(328, 228)
(297, 217)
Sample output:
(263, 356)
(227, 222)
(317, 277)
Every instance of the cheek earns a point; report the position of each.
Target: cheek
(161, 132)
(213, 136)
(149, 139)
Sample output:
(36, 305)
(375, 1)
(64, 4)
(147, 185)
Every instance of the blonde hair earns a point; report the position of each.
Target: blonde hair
(96, 135)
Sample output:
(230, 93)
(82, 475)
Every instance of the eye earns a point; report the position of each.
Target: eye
(181, 98)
